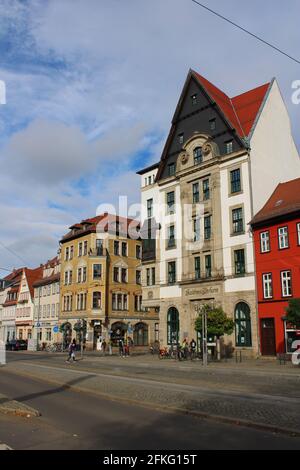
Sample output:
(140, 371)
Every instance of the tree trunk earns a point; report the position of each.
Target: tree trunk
(218, 349)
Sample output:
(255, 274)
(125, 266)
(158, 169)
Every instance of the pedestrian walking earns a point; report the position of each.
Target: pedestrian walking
(104, 347)
(71, 351)
(193, 348)
(121, 347)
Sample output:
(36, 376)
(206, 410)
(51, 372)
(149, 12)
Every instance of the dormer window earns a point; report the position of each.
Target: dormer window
(180, 138)
(171, 169)
(229, 146)
(212, 124)
(198, 157)
(194, 99)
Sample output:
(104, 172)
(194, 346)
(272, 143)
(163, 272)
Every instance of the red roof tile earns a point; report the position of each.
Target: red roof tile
(242, 110)
(285, 200)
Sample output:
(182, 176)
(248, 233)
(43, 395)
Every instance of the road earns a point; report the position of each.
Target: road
(82, 420)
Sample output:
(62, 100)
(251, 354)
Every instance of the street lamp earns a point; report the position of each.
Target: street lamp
(201, 310)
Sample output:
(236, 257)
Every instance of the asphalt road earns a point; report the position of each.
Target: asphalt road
(72, 420)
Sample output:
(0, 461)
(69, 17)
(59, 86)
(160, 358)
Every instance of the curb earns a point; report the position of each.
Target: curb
(171, 409)
(12, 407)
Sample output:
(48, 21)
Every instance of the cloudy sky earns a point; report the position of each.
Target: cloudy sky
(91, 89)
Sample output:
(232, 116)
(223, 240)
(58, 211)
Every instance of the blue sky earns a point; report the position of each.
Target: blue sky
(91, 89)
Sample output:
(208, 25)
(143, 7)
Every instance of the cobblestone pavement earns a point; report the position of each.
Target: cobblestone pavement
(266, 395)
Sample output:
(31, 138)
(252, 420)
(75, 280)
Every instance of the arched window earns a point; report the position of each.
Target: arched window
(118, 331)
(198, 158)
(173, 326)
(242, 325)
(140, 334)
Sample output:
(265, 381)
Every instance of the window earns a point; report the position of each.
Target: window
(116, 248)
(171, 169)
(235, 180)
(120, 301)
(171, 236)
(114, 301)
(150, 208)
(180, 138)
(196, 229)
(171, 202)
(198, 158)
(264, 242)
(80, 249)
(138, 251)
(208, 266)
(138, 303)
(172, 272)
(283, 238)
(96, 300)
(156, 331)
(79, 275)
(229, 146)
(97, 271)
(99, 247)
(124, 275)
(196, 196)
(116, 274)
(286, 283)
(237, 220)
(197, 267)
(207, 227)
(239, 262)
(149, 180)
(212, 124)
(205, 188)
(153, 276)
(48, 334)
(138, 276)
(267, 286)
(242, 325)
(194, 99)
(85, 248)
(125, 302)
(140, 334)
(298, 232)
(148, 278)
(124, 249)
(84, 274)
(67, 254)
(71, 252)
(173, 326)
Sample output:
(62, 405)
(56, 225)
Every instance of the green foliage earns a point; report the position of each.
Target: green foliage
(218, 324)
(293, 311)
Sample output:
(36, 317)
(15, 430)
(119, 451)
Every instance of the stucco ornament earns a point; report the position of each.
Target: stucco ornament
(150, 295)
(184, 157)
(207, 148)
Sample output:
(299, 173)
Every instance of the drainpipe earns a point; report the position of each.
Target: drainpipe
(253, 250)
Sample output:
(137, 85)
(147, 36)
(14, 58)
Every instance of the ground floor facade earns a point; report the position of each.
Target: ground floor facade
(24, 330)
(139, 330)
(47, 332)
(7, 331)
(276, 334)
(178, 315)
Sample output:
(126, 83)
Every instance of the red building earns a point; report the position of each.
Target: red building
(276, 230)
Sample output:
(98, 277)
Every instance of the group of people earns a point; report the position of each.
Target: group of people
(188, 349)
(124, 347)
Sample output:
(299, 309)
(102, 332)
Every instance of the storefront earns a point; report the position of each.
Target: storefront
(292, 337)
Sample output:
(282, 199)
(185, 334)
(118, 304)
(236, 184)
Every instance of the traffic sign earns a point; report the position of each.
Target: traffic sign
(55, 329)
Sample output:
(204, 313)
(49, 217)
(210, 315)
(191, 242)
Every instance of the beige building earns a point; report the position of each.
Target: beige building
(200, 198)
(47, 304)
(101, 283)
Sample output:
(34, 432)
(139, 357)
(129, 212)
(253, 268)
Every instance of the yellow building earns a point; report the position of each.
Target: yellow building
(101, 283)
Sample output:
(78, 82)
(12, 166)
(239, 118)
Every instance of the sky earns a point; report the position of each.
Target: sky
(91, 88)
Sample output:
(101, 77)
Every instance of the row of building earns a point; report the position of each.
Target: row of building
(220, 225)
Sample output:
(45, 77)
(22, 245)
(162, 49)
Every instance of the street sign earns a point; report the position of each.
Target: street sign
(38, 325)
(55, 329)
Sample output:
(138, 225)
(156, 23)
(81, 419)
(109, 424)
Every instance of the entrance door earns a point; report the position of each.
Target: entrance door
(267, 329)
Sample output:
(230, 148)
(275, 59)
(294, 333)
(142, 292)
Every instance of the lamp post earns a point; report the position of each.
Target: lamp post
(201, 310)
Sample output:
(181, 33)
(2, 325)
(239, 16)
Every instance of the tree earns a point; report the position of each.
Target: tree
(218, 324)
(293, 312)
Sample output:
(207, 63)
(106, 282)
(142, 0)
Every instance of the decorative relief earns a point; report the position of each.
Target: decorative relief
(150, 295)
(184, 158)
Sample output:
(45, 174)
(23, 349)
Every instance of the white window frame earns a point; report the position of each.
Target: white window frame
(298, 232)
(264, 242)
(286, 283)
(267, 285)
(283, 236)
